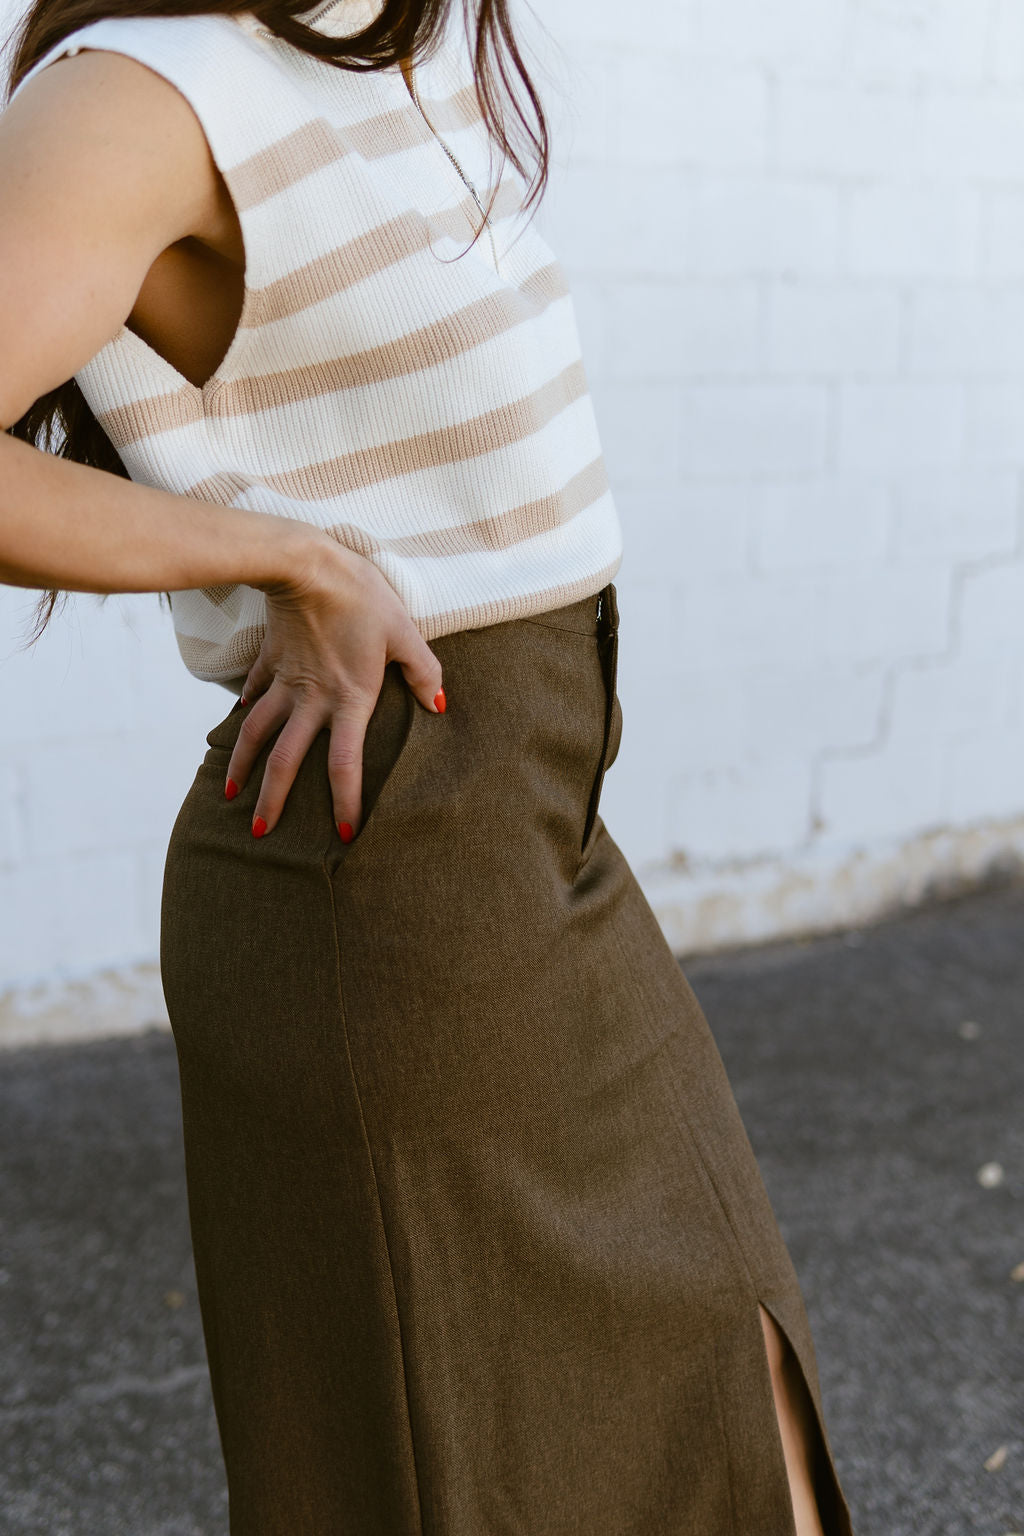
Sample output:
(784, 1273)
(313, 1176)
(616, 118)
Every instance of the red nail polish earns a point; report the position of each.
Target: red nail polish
(345, 831)
(231, 789)
(440, 702)
(259, 826)
(242, 699)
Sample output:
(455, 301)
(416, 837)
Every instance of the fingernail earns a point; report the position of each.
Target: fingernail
(231, 789)
(345, 831)
(440, 702)
(259, 826)
(242, 699)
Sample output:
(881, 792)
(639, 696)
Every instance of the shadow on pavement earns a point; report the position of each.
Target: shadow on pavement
(877, 1073)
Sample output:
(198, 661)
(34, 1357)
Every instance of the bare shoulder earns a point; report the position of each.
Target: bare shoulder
(106, 123)
(103, 165)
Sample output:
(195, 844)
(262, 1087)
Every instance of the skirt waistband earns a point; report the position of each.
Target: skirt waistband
(596, 614)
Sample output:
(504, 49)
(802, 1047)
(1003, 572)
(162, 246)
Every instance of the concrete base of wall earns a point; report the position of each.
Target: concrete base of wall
(124, 1001)
(750, 902)
(700, 911)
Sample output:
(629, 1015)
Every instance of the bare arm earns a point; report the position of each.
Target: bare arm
(103, 165)
(66, 525)
(89, 201)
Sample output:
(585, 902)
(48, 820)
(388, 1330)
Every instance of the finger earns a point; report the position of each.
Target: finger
(345, 769)
(258, 679)
(283, 762)
(261, 722)
(420, 668)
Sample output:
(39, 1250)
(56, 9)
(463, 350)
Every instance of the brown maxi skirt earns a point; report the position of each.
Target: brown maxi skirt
(479, 1235)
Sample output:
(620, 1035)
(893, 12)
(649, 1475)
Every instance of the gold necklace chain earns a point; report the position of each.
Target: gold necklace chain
(308, 18)
(473, 192)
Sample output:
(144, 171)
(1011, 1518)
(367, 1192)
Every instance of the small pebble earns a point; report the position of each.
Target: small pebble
(990, 1174)
(996, 1460)
(969, 1030)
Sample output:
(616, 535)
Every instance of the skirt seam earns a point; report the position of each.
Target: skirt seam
(681, 1121)
(842, 1506)
(376, 1190)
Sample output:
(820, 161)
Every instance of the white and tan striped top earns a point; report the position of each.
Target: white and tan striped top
(423, 403)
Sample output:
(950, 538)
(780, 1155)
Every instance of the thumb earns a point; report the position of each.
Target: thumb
(421, 669)
(257, 680)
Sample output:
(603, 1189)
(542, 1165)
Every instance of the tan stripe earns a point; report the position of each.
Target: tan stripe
(497, 428)
(219, 595)
(496, 531)
(502, 610)
(236, 656)
(330, 274)
(385, 133)
(182, 407)
(390, 132)
(320, 142)
(366, 255)
(281, 164)
(460, 110)
(210, 658)
(428, 347)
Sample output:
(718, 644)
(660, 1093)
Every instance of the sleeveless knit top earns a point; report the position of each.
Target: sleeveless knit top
(422, 402)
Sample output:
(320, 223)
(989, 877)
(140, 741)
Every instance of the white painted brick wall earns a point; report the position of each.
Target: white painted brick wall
(795, 235)
(101, 732)
(805, 340)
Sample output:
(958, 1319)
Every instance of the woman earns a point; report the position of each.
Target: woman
(480, 1241)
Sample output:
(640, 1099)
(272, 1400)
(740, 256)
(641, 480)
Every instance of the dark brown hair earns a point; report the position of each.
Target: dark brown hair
(60, 421)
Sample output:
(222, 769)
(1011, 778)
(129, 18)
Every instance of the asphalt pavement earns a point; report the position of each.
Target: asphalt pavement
(880, 1074)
